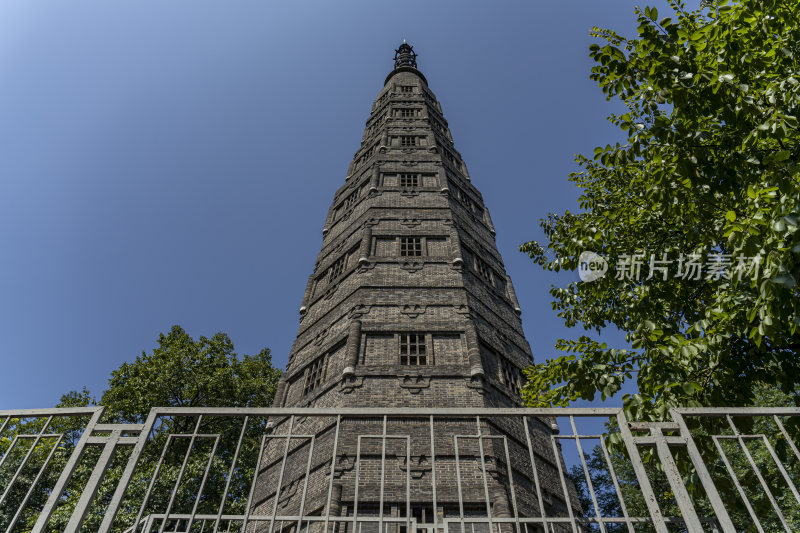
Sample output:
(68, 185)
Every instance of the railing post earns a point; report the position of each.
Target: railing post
(638, 468)
(66, 474)
(122, 485)
(702, 472)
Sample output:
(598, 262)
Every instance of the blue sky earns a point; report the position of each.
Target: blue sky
(172, 162)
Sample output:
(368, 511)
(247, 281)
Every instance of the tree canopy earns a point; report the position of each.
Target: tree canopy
(182, 372)
(695, 216)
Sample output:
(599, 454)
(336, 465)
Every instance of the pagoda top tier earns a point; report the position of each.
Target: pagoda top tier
(405, 55)
(405, 60)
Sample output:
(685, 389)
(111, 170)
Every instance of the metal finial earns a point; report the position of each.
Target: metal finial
(405, 56)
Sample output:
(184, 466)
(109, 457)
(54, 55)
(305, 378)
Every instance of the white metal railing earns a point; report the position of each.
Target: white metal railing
(402, 470)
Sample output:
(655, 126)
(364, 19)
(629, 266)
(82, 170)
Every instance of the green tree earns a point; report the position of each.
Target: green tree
(180, 372)
(701, 428)
(709, 167)
(183, 372)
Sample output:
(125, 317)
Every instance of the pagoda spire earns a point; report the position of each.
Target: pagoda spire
(405, 56)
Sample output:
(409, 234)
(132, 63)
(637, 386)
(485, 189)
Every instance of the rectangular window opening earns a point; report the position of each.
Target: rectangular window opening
(409, 180)
(411, 246)
(413, 351)
(315, 375)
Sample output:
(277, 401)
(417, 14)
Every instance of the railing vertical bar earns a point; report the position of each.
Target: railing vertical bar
(702, 472)
(356, 525)
(305, 487)
(567, 499)
(333, 472)
(280, 477)
(534, 471)
(203, 484)
(383, 473)
(789, 440)
(641, 475)
(510, 467)
(617, 488)
(24, 501)
(782, 470)
(757, 471)
(8, 451)
(483, 472)
(230, 475)
(25, 459)
(249, 504)
(66, 474)
(589, 483)
(93, 484)
(433, 479)
(736, 483)
(122, 485)
(152, 482)
(670, 468)
(180, 474)
(408, 481)
(458, 483)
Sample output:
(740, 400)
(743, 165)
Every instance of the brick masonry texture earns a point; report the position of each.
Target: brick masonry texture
(365, 302)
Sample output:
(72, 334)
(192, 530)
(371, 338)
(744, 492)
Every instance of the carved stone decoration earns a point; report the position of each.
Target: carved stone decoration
(344, 464)
(288, 492)
(350, 383)
(371, 222)
(357, 311)
(433, 150)
(414, 384)
(409, 193)
(478, 384)
(330, 292)
(320, 338)
(413, 311)
(419, 465)
(463, 310)
(364, 266)
(410, 222)
(408, 150)
(409, 163)
(412, 266)
(457, 264)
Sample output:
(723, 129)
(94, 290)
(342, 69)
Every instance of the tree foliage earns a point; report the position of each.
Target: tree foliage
(630, 491)
(180, 372)
(709, 167)
(183, 372)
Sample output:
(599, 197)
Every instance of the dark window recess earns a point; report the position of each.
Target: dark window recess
(484, 270)
(510, 375)
(350, 200)
(411, 246)
(413, 351)
(336, 269)
(409, 180)
(405, 113)
(315, 375)
(406, 88)
(408, 140)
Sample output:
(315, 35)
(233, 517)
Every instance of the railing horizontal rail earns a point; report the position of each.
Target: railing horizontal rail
(328, 470)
